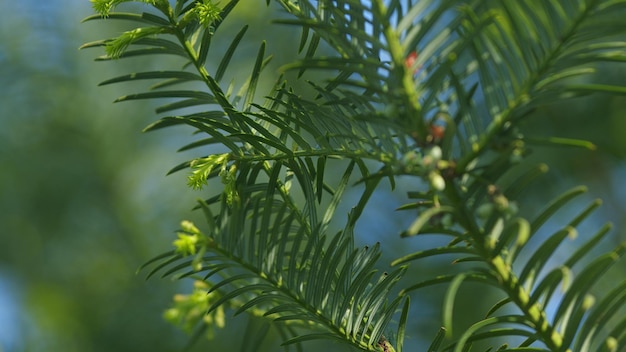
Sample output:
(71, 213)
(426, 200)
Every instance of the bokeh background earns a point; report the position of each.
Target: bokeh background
(84, 200)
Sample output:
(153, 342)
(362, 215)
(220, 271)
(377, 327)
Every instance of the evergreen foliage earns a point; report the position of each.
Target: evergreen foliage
(431, 90)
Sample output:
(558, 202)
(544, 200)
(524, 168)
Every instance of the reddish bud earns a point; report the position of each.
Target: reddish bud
(437, 132)
(410, 60)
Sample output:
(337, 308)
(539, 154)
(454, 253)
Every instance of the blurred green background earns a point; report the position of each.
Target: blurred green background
(84, 199)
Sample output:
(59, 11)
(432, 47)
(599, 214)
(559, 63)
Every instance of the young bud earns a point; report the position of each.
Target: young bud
(436, 181)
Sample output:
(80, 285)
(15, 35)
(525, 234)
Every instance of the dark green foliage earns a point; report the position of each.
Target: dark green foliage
(448, 118)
